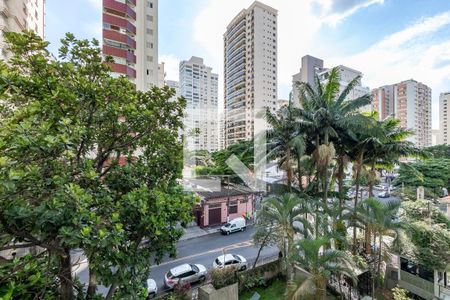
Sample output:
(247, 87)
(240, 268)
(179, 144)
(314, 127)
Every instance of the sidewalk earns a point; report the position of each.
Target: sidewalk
(193, 232)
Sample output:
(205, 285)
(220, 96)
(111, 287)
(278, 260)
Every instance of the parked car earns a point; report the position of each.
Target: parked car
(384, 195)
(185, 273)
(234, 225)
(380, 187)
(230, 261)
(151, 287)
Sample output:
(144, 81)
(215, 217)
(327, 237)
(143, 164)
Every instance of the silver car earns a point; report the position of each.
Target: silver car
(185, 273)
(230, 261)
(151, 287)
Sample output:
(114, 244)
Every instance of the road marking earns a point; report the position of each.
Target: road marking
(247, 243)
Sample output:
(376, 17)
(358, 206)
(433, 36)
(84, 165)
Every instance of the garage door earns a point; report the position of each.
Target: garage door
(215, 216)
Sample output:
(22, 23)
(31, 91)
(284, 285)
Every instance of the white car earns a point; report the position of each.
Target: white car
(185, 273)
(151, 287)
(229, 261)
(234, 225)
(380, 187)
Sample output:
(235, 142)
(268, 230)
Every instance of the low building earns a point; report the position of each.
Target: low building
(425, 283)
(218, 207)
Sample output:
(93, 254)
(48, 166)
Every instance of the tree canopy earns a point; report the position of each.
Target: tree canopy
(86, 163)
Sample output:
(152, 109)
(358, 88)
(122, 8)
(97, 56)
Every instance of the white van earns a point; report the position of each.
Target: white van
(234, 225)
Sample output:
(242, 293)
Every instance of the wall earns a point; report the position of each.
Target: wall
(208, 292)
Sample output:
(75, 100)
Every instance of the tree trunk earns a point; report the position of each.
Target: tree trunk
(379, 260)
(341, 184)
(358, 175)
(112, 290)
(299, 173)
(372, 179)
(92, 288)
(263, 244)
(367, 240)
(65, 276)
(289, 169)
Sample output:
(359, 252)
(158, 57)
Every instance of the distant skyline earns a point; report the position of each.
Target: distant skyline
(388, 40)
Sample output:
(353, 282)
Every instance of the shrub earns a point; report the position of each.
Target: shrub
(223, 277)
(252, 278)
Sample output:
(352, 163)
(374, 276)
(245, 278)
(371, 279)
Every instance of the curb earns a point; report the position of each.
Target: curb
(206, 234)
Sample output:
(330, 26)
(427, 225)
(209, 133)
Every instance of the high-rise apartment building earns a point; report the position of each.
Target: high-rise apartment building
(444, 119)
(250, 70)
(161, 75)
(310, 67)
(410, 102)
(130, 36)
(19, 15)
(346, 75)
(174, 85)
(383, 101)
(199, 86)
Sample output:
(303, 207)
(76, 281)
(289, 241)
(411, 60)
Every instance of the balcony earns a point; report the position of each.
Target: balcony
(129, 56)
(119, 37)
(123, 69)
(120, 8)
(120, 22)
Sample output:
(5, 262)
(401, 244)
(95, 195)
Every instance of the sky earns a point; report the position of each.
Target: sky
(388, 40)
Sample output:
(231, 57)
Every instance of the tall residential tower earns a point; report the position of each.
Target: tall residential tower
(410, 102)
(199, 86)
(130, 36)
(19, 15)
(250, 70)
(444, 119)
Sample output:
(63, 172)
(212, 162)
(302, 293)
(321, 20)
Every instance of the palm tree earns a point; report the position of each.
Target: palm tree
(321, 263)
(325, 115)
(386, 151)
(284, 139)
(281, 213)
(380, 221)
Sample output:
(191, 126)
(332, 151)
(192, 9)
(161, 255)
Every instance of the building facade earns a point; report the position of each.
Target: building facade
(19, 15)
(199, 86)
(130, 37)
(410, 102)
(250, 70)
(444, 118)
(310, 67)
(346, 75)
(217, 208)
(174, 85)
(383, 101)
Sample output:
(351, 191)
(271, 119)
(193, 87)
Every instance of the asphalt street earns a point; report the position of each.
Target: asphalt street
(202, 250)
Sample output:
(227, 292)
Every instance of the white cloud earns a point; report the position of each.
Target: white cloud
(414, 52)
(298, 25)
(96, 4)
(171, 66)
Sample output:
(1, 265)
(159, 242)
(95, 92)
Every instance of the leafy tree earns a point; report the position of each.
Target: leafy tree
(433, 174)
(87, 162)
(439, 151)
(428, 233)
(400, 294)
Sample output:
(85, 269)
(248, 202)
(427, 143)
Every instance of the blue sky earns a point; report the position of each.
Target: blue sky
(388, 40)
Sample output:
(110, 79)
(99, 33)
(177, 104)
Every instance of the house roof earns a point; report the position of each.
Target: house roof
(227, 191)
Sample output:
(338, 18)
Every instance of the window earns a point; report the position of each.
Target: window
(149, 18)
(233, 208)
(149, 31)
(150, 4)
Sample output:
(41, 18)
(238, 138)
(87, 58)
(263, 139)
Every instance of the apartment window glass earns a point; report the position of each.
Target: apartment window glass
(150, 4)
(149, 18)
